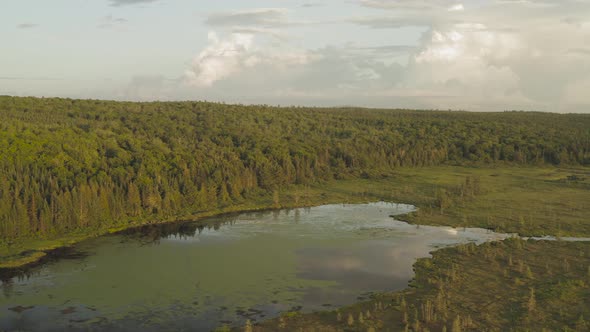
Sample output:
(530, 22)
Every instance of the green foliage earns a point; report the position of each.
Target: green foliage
(350, 320)
(72, 167)
(248, 327)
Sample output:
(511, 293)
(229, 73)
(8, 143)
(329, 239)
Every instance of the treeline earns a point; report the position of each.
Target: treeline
(70, 165)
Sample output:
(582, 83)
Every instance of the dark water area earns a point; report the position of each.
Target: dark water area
(247, 266)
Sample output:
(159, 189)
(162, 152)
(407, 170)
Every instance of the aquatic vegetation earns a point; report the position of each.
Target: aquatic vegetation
(473, 288)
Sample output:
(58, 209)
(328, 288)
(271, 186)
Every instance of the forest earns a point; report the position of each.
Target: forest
(76, 165)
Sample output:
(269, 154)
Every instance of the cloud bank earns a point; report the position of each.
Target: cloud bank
(491, 56)
(117, 3)
(459, 54)
(27, 25)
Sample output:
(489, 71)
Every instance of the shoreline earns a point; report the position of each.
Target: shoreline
(450, 283)
(492, 209)
(38, 257)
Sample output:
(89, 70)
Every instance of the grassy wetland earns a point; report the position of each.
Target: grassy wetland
(511, 285)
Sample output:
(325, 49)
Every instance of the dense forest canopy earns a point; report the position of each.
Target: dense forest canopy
(77, 164)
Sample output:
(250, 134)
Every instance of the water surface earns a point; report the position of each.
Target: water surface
(247, 266)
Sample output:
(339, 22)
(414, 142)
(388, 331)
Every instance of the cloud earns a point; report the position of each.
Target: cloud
(265, 17)
(388, 49)
(311, 5)
(13, 78)
(470, 64)
(456, 8)
(117, 3)
(278, 35)
(531, 53)
(392, 22)
(473, 61)
(27, 25)
(531, 3)
(408, 4)
(111, 22)
(225, 57)
(476, 55)
(271, 22)
(221, 59)
(234, 64)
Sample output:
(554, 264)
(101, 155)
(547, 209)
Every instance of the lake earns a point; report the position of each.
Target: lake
(224, 270)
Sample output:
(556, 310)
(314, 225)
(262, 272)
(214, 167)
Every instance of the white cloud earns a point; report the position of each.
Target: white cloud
(221, 59)
(489, 56)
(408, 4)
(454, 69)
(237, 52)
(456, 8)
(448, 65)
(266, 17)
(117, 3)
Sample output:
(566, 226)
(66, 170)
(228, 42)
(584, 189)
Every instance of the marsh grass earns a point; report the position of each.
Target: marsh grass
(476, 288)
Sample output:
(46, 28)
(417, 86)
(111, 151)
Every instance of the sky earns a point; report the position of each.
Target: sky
(476, 55)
